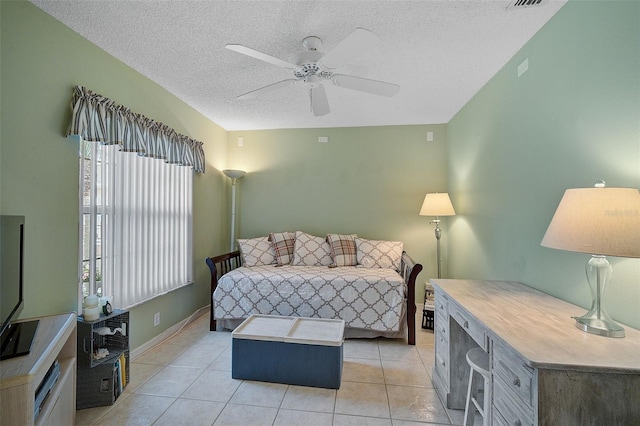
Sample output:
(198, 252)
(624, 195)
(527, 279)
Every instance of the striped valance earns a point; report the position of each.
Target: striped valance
(99, 119)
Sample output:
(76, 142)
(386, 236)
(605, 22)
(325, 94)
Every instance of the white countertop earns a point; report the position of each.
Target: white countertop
(541, 328)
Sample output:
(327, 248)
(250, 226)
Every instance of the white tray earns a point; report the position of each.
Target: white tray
(310, 331)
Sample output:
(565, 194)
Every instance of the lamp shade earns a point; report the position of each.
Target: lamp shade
(234, 174)
(600, 221)
(437, 204)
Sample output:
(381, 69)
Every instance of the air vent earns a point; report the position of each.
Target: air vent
(521, 4)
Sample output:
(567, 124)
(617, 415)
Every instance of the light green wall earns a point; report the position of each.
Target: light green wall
(41, 62)
(366, 180)
(572, 118)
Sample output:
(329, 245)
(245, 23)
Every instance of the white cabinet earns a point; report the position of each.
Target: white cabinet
(55, 339)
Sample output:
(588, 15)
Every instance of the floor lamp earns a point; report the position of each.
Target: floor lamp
(437, 204)
(234, 175)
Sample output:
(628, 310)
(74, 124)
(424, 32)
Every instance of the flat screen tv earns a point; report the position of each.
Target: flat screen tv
(16, 337)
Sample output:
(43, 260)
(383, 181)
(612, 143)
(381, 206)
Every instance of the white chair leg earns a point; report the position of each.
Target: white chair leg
(487, 403)
(469, 409)
(478, 361)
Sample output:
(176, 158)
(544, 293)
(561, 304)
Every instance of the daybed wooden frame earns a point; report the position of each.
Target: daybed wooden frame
(220, 265)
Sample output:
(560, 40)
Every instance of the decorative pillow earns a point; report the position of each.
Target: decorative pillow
(257, 251)
(282, 243)
(379, 254)
(343, 249)
(311, 251)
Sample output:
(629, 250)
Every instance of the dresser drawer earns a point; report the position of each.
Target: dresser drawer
(511, 410)
(442, 360)
(441, 303)
(517, 376)
(441, 326)
(469, 324)
(442, 367)
(498, 420)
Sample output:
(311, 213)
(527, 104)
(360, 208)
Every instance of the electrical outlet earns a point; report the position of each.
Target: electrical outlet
(156, 319)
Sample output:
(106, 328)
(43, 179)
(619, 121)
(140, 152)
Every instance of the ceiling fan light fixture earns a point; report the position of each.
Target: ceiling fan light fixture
(312, 43)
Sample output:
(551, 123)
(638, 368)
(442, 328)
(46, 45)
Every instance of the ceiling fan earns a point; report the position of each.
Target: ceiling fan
(314, 68)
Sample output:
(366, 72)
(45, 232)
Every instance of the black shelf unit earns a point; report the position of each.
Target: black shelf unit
(100, 381)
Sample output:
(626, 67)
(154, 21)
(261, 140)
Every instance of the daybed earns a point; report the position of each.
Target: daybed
(369, 284)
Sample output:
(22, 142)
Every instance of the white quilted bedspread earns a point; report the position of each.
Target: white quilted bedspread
(365, 298)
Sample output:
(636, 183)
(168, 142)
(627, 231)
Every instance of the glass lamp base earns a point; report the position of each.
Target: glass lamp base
(599, 326)
(597, 320)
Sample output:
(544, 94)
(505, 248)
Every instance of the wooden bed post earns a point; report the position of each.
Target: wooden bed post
(227, 262)
(410, 271)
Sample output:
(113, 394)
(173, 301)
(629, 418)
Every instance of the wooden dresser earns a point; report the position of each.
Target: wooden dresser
(544, 370)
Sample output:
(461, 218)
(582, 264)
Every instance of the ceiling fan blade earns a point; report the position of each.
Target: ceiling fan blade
(269, 88)
(376, 87)
(319, 102)
(359, 40)
(259, 55)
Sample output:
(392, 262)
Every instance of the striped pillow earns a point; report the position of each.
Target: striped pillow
(282, 243)
(343, 249)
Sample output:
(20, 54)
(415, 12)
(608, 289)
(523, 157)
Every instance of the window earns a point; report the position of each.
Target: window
(136, 183)
(136, 227)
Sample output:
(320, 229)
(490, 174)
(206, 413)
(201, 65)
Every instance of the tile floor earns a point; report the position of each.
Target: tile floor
(186, 380)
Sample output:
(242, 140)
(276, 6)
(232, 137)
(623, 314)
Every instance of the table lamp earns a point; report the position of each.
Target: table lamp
(437, 204)
(234, 175)
(602, 222)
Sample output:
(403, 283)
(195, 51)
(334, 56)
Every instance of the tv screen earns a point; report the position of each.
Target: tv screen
(11, 253)
(15, 338)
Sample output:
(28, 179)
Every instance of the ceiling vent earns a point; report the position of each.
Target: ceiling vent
(522, 4)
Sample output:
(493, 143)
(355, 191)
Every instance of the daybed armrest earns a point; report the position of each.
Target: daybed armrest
(220, 265)
(409, 271)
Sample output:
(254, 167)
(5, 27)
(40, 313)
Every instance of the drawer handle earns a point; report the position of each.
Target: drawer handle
(516, 379)
(517, 423)
(466, 324)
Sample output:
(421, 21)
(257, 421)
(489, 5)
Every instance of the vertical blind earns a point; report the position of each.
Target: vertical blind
(137, 211)
(146, 241)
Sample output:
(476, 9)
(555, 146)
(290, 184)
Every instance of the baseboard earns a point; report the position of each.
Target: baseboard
(169, 332)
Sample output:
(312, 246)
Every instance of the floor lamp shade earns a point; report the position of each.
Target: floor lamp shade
(234, 174)
(437, 204)
(602, 222)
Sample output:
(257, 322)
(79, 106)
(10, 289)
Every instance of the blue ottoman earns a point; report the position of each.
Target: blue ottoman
(289, 350)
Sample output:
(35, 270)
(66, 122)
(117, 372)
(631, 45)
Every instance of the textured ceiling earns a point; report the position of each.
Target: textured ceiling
(439, 52)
